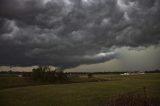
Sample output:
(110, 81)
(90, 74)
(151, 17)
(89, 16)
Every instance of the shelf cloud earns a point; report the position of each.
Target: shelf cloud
(68, 33)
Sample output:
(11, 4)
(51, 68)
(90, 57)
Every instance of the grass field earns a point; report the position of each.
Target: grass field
(80, 94)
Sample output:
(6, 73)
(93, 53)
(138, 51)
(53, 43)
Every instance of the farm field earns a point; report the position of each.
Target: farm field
(80, 94)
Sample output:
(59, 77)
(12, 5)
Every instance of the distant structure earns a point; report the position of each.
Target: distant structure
(125, 73)
(19, 75)
(141, 72)
(133, 73)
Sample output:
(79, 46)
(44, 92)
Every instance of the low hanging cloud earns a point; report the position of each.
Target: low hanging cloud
(68, 33)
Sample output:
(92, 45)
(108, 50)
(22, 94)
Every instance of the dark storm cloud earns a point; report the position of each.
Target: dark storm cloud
(67, 33)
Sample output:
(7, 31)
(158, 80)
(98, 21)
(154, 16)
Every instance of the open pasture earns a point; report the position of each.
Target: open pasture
(81, 94)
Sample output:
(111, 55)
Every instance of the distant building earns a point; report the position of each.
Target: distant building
(141, 72)
(133, 73)
(20, 75)
(125, 74)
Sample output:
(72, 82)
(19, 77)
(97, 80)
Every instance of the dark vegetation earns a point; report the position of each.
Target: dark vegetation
(90, 75)
(133, 99)
(45, 74)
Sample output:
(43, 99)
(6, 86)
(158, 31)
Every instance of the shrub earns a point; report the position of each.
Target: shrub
(132, 99)
(90, 75)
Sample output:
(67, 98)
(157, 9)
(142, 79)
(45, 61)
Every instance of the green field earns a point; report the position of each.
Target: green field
(79, 94)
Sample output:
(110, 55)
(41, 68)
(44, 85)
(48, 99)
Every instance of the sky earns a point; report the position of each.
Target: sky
(80, 35)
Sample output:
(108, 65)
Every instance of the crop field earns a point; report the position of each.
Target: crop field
(85, 93)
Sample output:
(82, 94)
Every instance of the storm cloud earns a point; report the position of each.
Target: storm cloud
(68, 33)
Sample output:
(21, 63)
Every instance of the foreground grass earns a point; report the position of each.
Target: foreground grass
(81, 94)
(11, 82)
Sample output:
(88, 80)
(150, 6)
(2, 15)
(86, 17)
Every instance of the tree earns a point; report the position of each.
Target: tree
(40, 72)
(44, 73)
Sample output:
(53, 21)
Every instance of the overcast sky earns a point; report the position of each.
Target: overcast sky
(85, 35)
